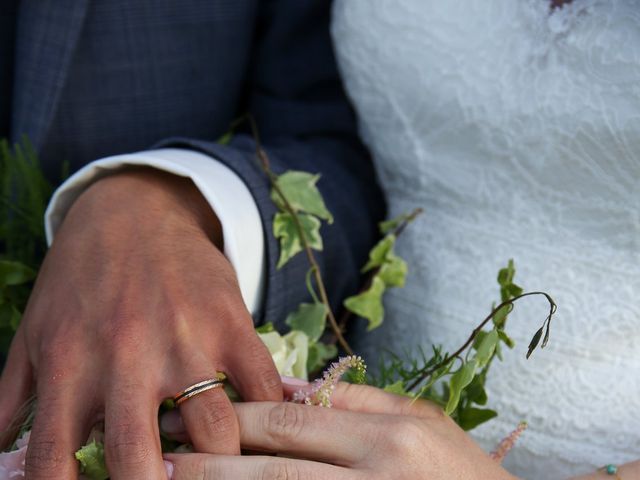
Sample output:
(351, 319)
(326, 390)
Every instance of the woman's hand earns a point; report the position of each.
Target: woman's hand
(133, 303)
(369, 434)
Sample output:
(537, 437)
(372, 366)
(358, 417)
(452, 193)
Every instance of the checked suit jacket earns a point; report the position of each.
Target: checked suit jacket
(84, 79)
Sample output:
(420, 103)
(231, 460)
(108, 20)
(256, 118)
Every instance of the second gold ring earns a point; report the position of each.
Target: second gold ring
(200, 387)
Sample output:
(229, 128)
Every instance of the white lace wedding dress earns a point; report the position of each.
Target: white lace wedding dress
(517, 129)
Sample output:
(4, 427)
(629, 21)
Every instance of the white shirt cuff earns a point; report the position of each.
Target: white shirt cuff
(227, 194)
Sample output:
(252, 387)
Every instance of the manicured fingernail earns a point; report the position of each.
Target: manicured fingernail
(168, 466)
(171, 422)
(293, 381)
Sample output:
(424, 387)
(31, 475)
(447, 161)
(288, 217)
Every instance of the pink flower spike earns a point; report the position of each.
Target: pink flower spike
(507, 443)
(323, 388)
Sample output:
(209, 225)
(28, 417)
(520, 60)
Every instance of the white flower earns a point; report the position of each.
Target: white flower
(289, 352)
(12, 463)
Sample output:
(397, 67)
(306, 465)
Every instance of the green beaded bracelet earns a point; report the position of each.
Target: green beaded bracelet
(611, 469)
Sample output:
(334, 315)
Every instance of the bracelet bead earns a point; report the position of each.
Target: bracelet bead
(611, 469)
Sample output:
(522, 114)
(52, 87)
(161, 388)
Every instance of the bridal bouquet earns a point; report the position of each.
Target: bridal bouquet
(310, 348)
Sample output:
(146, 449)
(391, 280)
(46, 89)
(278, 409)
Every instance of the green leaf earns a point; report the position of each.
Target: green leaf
(471, 417)
(379, 253)
(506, 339)
(513, 290)
(393, 223)
(266, 328)
(15, 273)
(486, 347)
(505, 275)
(225, 138)
(475, 391)
(397, 388)
(319, 355)
(284, 229)
(310, 318)
(394, 272)
(92, 464)
(9, 316)
(300, 190)
(368, 304)
(500, 316)
(458, 382)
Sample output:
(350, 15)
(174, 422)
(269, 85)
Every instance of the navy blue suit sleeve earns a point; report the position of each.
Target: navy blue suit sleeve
(306, 123)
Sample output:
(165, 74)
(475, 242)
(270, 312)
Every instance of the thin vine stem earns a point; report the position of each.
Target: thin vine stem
(428, 372)
(264, 162)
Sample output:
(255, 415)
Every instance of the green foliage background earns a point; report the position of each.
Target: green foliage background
(24, 194)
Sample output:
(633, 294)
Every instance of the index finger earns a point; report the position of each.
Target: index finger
(368, 399)
(327, 435)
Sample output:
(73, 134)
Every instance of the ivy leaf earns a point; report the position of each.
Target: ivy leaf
(394, 272)
(379, 253)
(458, 382)
(393, 223)
(485, 347)
(92, 464)
(9, 316)
(368, 304)
(310, 318)
(513, 290)
(15, 273)
(471, 417)
(397, 388)
(500, 316)
(475, 392)
(266, 328)
(506, 339)
(300, 190)
(319, 355)
(284, 229)
(505, 275)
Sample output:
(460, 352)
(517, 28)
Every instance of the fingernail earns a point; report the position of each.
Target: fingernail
(171, 422)
(293, 381)
(168, 466)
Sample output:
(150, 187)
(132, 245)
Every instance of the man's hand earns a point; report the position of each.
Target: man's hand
(133, 303)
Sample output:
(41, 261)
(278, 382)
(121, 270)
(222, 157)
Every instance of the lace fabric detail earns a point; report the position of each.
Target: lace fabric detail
(517, 129)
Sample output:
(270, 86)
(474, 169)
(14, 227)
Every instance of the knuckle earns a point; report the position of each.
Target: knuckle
(204, 468)
(266, 379)
(426, 409)
(121, 330)
(124, 444)
(280, 470)
(219, 416)
(54, 353)
(43, 456)
(406, 435)
(285, 422)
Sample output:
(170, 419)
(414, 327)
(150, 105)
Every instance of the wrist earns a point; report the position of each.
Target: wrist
(148, 201)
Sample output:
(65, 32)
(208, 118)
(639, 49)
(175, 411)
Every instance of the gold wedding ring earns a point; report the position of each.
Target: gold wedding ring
(197, 388)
